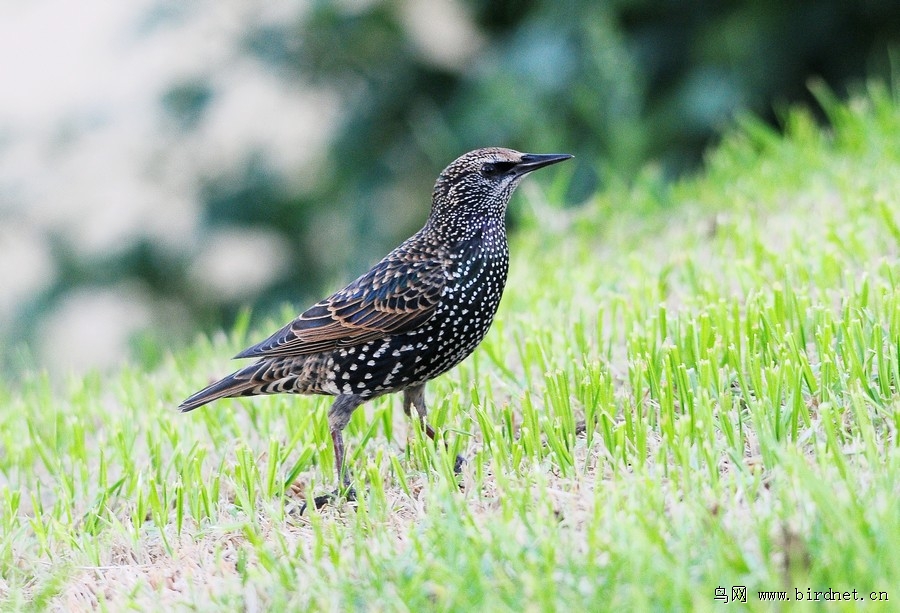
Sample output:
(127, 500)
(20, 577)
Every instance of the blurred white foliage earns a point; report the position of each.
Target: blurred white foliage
(442, 31)
(91, 327)
(238, 263)
(26, 266)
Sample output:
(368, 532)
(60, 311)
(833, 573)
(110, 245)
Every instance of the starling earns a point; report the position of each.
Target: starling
(416, 314)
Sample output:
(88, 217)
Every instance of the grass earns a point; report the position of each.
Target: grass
(689, 387)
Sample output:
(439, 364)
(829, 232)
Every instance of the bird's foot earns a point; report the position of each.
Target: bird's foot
(347, 493)
(458, 464)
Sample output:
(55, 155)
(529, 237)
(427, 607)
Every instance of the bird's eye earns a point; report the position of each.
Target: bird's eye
(495, 169)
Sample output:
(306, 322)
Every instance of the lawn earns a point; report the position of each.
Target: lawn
(690, 388)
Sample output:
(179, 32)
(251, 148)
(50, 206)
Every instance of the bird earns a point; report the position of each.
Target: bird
(413, 316)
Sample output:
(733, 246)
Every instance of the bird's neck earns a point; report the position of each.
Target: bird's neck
(464, 227)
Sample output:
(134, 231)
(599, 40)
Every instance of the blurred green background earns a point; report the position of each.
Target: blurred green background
(165, 164)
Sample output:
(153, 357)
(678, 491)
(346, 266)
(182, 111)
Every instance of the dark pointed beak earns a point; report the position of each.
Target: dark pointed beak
(533, 161)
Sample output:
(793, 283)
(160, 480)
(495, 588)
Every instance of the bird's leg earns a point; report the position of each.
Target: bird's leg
(338, 440)
(415, 396)
(338, 418)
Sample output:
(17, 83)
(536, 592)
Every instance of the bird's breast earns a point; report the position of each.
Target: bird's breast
(471, 296)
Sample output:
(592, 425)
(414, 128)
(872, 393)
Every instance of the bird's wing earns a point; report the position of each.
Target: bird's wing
(399, 294)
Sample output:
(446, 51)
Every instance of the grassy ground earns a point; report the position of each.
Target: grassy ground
(688, 388)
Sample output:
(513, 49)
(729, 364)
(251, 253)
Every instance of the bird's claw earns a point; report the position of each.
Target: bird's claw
(347, 493)
(458, 464)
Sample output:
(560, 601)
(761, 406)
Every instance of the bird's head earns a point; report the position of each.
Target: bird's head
(480, 182)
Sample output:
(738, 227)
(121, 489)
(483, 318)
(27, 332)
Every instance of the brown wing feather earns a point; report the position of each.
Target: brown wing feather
(399, 294)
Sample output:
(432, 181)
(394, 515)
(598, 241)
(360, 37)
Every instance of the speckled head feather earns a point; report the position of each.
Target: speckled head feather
(482, 181)
(417, 313)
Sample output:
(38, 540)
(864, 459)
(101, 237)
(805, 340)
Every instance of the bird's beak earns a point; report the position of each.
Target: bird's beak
(533, 161)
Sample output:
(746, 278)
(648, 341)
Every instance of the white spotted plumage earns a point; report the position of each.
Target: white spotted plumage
(416, 314)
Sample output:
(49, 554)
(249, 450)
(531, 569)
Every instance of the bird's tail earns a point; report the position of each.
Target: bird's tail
(244, 382)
